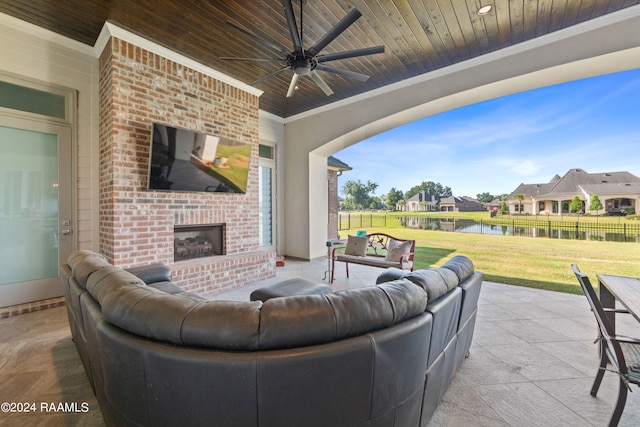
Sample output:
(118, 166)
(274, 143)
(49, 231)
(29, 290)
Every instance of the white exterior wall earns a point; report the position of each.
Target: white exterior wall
(34, 53)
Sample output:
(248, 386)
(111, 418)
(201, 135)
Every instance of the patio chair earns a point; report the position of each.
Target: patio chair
(623, 353)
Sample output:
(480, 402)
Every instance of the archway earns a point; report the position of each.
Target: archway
(597, 47)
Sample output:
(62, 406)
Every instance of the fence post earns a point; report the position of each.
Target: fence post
(625, 233)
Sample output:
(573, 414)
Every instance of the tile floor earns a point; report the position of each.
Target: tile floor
(532, 361)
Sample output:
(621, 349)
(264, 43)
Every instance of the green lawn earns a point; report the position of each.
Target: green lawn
(532, 262)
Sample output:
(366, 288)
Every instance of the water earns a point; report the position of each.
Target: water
(526, 228)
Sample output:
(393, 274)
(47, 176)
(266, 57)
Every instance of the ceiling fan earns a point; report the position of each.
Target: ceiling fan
(305, 62)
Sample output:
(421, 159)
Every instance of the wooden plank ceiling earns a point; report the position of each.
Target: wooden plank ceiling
(419, 35)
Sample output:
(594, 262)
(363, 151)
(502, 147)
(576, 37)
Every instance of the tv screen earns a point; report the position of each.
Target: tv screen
(184, 160)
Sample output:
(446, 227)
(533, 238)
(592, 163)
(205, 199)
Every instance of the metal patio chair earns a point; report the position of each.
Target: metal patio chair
(623, 353)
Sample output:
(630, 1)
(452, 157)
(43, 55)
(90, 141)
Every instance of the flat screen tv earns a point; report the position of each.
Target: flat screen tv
(184, 160)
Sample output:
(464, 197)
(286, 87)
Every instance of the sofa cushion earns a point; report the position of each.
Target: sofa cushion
(151, 273)
(288, 288)
(296, 321)
(406, 299)
(391, 273)
(148, 312)
(436, 281)
(316, 319)
(356, 245)
(78, 256)
(360, 310)
(168, 287)
(226, 325)
(109, 279)
(461, 265)
(84, 264)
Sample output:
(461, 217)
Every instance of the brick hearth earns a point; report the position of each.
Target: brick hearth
(138, 88)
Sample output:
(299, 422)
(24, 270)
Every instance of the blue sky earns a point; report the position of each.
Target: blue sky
(494, 146)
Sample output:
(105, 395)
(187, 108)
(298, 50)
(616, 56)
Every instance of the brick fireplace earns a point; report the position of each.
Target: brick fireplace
(138, 227)
(198, 241)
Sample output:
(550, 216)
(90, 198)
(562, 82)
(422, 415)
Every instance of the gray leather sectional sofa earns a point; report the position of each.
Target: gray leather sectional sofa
(380, 355)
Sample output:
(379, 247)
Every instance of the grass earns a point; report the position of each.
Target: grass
(523, 261)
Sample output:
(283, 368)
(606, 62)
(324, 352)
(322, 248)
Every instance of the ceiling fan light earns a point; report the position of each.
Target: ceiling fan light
(485, 10)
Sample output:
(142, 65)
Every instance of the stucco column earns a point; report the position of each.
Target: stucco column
(306, 208)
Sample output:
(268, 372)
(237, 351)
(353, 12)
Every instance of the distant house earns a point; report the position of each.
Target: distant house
(460, 204)
(616, 190)
(495, 204)
(421, 202)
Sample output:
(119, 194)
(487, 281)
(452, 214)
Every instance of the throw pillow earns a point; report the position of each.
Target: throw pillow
(356, 245)
(397, 249)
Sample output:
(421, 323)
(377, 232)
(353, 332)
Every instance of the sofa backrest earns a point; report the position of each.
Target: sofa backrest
(287, 322)
(316, 319)
(435, 281)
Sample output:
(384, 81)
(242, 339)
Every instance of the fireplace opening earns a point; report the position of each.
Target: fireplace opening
(198, 241)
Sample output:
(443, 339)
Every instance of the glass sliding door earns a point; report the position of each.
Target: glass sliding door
(35, 208)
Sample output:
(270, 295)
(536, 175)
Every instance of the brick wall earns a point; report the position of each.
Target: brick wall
(138, 88)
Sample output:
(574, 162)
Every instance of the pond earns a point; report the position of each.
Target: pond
(530, 228)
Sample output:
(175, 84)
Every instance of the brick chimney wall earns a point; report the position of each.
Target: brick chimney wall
(138, 88)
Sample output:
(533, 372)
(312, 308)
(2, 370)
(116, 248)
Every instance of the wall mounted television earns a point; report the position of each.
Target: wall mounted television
(184, 160)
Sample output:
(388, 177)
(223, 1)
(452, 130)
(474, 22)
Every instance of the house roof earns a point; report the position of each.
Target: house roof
(619, 188)
(577, 181)
(419, 36)
(335, 163)
(422, 196)
(461, 201)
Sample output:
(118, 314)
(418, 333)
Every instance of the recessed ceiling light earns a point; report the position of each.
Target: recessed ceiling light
(484, 10)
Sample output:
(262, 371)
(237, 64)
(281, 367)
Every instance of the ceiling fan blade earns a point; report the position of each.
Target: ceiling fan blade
(344, 73)
(292, 85)
(268, 76)
(260, 40)
(293, 27)
(344, 23)
(232, 58)
(350, 54)
(318, 80)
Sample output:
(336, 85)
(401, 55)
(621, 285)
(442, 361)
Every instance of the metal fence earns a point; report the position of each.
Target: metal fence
(576, 230)
(348, 221)
(527, 227)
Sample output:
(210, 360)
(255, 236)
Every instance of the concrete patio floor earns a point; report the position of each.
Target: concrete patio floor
(532, 361)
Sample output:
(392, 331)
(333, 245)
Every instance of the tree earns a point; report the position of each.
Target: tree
(520, 198)
(503, 206)
(595, 204)
(576, 204)
(485, 197)
(357, 194)
(393, 198)
(431, 188)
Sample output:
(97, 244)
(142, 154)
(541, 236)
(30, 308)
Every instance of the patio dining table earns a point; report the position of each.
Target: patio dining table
(624, 289)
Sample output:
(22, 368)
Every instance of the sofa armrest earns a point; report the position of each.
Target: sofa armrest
(151, 273)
